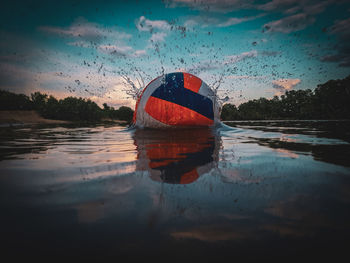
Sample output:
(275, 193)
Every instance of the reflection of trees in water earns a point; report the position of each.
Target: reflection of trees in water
(177, 156)
(330, 153)
(17, 141)
(326, 141)
(318, 128)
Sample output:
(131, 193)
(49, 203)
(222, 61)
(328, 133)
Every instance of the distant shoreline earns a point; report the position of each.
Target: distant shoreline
(289, 120)
(25, 117)
(13, 117)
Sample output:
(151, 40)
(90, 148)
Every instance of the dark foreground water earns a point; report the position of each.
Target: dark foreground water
(261, 190)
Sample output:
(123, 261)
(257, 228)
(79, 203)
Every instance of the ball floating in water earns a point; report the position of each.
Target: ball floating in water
(176, 100)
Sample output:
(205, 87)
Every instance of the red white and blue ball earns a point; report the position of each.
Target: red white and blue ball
(176, 100)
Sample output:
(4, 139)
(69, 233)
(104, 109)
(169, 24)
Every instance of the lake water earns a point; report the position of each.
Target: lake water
(259, 190)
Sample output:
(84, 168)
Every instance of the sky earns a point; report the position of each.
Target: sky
(108, 51)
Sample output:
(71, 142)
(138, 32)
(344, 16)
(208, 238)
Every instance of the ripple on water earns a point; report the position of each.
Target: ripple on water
(206, 190)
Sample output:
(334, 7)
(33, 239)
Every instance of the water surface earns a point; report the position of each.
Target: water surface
(258, 190)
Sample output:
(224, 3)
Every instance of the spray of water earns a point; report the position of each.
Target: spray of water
(134, 85)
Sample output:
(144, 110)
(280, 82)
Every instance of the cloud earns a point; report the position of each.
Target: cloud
(236, 58)
(203, 21)
(290, 23)
(219, 6)
(310, 7)
(300, 14)
(100, 84)
(269, 53)
(116, 50)
(227, 6)
(279, 4)
(28, 82)
(158, 37)
(283, 85)
(122, 51)
(83, 44)
(234, 20)
(113, 98)
(341, 28)
(203, 66)
(10, 80)
(210, 21)
(140, 53)
(144, 24)
(297, 15)
(99, 88)
(239, 77)
(85, 30)
(189, 23)
(343, 60)
(208, 65)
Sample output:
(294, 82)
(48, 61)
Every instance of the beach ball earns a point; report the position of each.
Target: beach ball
(176, 100)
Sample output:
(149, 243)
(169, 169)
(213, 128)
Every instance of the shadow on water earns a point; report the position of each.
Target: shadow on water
(176, 156)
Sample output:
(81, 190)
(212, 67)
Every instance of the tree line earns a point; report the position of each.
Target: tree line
(70, 108)
(330, 100)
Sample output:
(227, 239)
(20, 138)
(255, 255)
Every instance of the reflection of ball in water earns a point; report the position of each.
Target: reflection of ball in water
(176, 99)
(175, 157)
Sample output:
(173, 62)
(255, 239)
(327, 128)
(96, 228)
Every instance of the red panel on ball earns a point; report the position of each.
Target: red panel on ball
(191, 82)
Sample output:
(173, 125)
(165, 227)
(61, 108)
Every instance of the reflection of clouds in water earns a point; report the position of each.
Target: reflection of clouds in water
(113, 198)
(297, 217)
(304, 208)
(121, 185)
(287, 230)
(239, 175)
(286, 153)
(90, 212)
(302, 215)
(210, 233)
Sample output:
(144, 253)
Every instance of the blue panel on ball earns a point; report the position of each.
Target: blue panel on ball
(173, 91)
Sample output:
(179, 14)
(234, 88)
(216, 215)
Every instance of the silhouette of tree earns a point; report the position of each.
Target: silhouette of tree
(70, 108)
(330, 100)
(12, 101)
